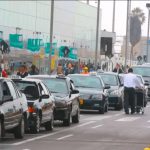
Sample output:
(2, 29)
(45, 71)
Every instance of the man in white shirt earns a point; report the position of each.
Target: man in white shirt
(130, 83)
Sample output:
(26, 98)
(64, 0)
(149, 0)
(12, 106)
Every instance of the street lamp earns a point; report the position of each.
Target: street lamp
(147, 52)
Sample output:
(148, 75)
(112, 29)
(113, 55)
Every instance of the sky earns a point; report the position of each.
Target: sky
(121, 13)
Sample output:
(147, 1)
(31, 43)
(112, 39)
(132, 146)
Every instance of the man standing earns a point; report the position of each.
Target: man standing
(130, 83)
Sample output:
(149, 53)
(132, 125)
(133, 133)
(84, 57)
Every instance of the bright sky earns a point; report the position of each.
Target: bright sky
(121, 12)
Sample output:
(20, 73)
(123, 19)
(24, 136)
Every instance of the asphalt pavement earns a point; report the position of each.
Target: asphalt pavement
(113, 130)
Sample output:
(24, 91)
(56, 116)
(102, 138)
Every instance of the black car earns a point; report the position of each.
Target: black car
(115, 93)
(144, 71)
(40, 104)
(93, 93)
(13, 109)
(66, 97)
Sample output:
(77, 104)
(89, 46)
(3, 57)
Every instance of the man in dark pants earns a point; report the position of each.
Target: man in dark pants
(130, 83)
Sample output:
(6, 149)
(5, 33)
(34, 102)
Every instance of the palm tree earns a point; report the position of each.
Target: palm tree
(137, 19)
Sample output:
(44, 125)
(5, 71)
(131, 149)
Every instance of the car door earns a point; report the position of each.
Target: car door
(8, 107)
(46, 104)
(74, 99)
(16, 102)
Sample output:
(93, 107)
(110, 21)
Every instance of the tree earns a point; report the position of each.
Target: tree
(137, 18)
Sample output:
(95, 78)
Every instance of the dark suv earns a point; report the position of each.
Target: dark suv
(40, 104)
(66, 97)
(13, 109)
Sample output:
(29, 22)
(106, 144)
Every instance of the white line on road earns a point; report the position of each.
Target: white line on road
(64, 137)
(87, 123)
(118, 114)
(128, 119)
(148, 121)
(97, 118)
(97, 126)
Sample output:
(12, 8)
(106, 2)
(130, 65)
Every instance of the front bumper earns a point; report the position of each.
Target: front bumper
(91, 104)
(61, 113)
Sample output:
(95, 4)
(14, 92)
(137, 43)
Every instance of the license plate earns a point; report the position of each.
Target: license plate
(81, 101)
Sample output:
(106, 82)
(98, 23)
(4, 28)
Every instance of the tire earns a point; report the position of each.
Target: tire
(67, 122)
(76, 118)
(102, 110)
(36, 128)
(19, 130)
(49, 126)
(119, 107)
(2, 129)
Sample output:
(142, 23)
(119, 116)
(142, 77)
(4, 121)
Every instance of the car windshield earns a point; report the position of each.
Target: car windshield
(56, 85)
(143, 71)
(30, 89)
(87, 81)
(109, 79)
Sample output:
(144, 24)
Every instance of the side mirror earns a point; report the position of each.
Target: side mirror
(75, 92)
(7, 98)
(107, 87)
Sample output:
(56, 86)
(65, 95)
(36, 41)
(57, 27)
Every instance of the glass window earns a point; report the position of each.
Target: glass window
(143, 71)
(87, 81)
(30, 89)
(56, 85)
(110, 79)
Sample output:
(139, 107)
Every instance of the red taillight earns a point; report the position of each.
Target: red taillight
(31, 109)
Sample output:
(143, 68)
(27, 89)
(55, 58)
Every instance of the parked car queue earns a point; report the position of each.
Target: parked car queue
(29, 103)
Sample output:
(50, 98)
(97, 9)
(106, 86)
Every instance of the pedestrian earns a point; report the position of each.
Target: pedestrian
(85, 70)
(118, 69)
(34, 70)
(130, 83)
(4, 73)
(22, 71)
(60, 69)
(69, 69)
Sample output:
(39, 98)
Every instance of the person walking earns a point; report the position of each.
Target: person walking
(131, 82)
(33, 70)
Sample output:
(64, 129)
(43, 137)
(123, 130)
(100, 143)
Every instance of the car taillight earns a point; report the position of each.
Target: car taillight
(31, 109)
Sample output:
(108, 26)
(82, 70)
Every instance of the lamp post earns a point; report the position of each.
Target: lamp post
(147, 48)
(51, 35)
(97, 32)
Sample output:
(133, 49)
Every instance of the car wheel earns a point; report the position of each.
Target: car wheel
(119, 107)
(19, 130)
(102, 110)
(36, 129)
(50, 124)
(67, 122)
(2, 129)
(76, 118)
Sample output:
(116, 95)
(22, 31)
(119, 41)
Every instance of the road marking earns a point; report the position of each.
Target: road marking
(148, 121)
(87, 123)
(26, 149)
(98, 118)
(128, 119)
(97, 126)
(64, 137)
(118, 114)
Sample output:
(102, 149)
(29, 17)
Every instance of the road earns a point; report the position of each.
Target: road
(113, 130)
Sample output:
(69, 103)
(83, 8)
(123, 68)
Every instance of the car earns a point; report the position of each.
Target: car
(40, 104)
(65, 95)
(13, 109)
(115, 93)
(144, 71)
(93, 94)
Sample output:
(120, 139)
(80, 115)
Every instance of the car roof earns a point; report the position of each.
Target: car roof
(141, 66)
(48, 76)
(3, 79)
(28, 80)
(109, 73)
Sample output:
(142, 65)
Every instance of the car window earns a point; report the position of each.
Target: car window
(1, 92)
(87, 81)
(45, 89)
(56, 85)
(19, 94)
(12, 90)
(143, 71)
(30, 89)
(110, 79)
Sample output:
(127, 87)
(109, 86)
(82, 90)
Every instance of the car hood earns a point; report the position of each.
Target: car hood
(60, 96)
(92, 91)
(112, 88)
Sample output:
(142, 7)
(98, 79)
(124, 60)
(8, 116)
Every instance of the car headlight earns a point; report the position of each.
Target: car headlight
(115, 92)
(97, 97)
